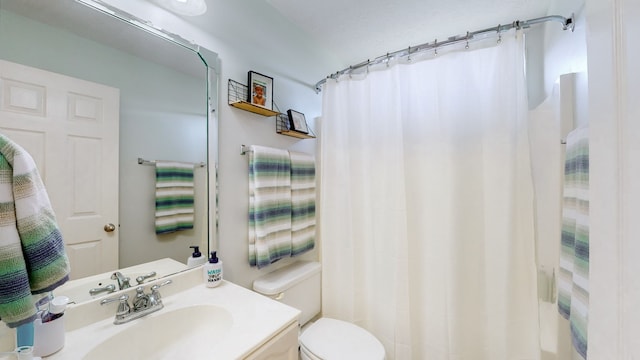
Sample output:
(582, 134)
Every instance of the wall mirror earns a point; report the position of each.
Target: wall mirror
(165, 108)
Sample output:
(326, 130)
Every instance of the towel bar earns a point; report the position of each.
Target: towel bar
(142, 161)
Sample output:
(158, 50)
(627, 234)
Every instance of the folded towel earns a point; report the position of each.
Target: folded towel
(174, 196)
(32, 254)
(303, 202)
(269, 205)
(573, 281)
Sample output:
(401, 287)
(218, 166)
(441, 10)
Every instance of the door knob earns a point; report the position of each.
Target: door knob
(109, 227)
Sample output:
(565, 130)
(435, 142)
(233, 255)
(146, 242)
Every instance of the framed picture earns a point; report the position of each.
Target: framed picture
(297, 121)
(260, 90)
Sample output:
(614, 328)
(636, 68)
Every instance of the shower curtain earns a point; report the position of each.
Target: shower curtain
(426, 206)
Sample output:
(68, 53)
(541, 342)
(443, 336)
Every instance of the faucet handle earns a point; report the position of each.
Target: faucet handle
(140, 279)
(157, 286)
(123, 308)
(121, 298)
(155, 296)
(108, 289)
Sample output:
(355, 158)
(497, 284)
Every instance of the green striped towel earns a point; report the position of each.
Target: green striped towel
(303, 202)
(174, 196)
(269, 205)
(573, 281)
(32, 254)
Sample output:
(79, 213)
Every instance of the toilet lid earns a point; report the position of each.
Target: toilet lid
(335, 339)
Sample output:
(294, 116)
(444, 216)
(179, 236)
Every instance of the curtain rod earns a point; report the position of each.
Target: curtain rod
(567, 23)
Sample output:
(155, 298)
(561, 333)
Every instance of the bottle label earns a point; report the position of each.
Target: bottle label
(214, 275)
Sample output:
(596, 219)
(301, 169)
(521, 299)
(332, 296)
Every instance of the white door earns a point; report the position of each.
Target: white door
(70, 127)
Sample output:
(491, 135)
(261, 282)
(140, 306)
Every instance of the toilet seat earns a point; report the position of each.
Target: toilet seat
(333, 339)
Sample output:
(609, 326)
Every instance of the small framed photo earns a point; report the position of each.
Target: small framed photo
(260, 90)
(297, 122)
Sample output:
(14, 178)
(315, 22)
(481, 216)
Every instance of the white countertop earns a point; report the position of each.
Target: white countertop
(255, 320)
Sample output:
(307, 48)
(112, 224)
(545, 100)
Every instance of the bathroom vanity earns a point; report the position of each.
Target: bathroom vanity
(196, 322)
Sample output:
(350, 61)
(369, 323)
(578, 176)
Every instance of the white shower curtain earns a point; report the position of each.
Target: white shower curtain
(426, 206)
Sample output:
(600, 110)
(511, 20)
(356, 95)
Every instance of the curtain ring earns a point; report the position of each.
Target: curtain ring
(388, 59)
(409, 54)
(467, 45)
(435, 47)
(499, 34)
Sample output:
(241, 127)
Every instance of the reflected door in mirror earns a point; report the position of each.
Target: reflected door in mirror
(70, 128)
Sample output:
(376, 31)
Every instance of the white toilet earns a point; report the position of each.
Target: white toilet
(298, 285)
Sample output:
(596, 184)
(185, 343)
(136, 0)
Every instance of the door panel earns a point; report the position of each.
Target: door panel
(70, 127)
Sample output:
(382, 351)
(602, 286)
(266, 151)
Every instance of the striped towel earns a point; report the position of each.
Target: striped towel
(174, 196)
(269, 205)
(303, 202)
(573, 282)
(32, 254)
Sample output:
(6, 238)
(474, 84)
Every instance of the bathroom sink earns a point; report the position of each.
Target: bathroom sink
(197, 322)
(170, 334)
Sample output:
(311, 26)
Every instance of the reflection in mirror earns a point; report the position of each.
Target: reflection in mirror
(160, 98)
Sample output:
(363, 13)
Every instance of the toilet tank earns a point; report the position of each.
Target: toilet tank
(297, 285)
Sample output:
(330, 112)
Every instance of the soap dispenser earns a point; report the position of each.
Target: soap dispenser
(196, 258)
(213, 271)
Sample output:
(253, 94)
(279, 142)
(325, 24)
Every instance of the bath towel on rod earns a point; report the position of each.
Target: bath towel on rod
(269, 205)
(573, 280)
(303, 202)
(32, 255)
(174, 197)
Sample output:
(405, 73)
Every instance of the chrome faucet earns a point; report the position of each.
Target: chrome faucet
(108, 289)
(143, 304)
(123, 282)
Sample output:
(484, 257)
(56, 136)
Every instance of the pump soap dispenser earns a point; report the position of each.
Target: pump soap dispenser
(196, 258)
(213, 271)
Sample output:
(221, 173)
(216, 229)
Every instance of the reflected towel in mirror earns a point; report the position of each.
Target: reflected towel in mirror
(174, 197)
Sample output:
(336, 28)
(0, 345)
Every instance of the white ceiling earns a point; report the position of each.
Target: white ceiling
(357, 30)
(352, 31)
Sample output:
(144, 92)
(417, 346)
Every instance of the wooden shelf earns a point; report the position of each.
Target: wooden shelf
(296, 134)
(253, 108)
(237, 93)
(282, 127)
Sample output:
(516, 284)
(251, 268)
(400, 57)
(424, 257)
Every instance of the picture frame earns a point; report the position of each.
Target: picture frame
(260, 90)
(297, 121)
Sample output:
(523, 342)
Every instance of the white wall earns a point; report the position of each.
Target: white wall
(552, 52)
(614, 80)
(250, 35)
(558, 95)
(612, 28)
